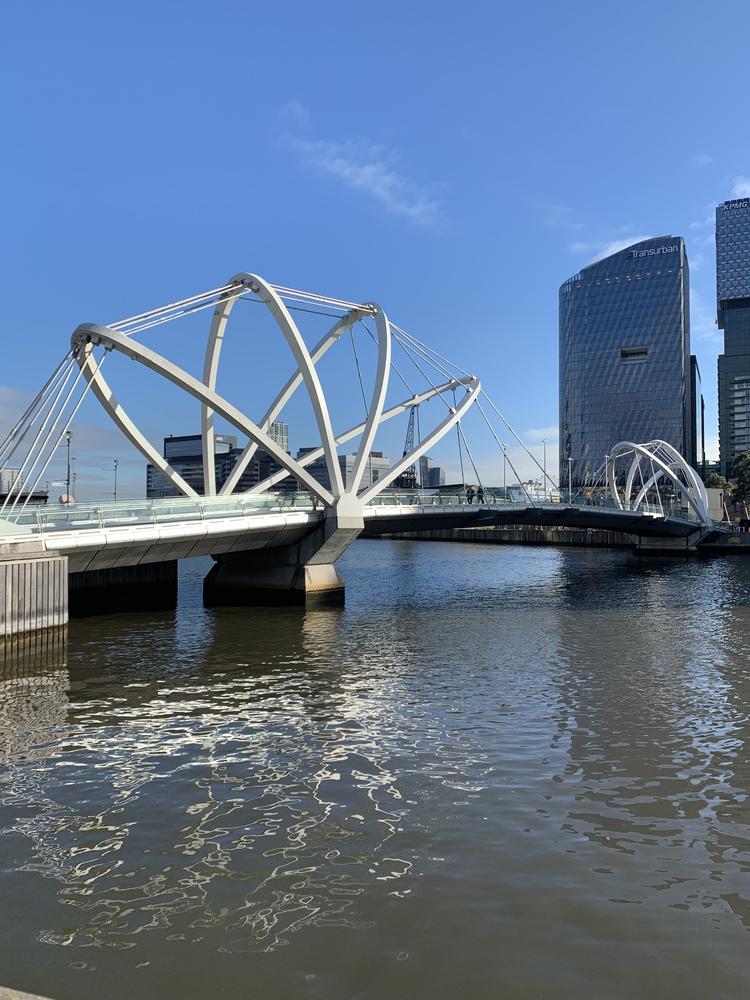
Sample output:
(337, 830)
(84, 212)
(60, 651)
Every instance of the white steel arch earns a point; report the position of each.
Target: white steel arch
(662, 460)
(112, 340)
(467, 381)
(119, 337)
(305, 366)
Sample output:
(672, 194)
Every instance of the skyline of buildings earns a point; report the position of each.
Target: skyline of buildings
(377, 465)
(185, 455)
(625, 368)
(733, 317)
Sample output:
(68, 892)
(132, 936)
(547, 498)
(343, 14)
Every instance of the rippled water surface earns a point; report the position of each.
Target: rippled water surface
(499, 772)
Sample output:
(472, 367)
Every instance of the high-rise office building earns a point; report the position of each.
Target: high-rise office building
(185, 455)
(733, 313)
(625, 365)
(430, 476)
(436, 477)
(278, 431)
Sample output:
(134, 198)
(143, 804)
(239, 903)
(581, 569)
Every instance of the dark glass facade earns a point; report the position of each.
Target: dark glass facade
(733, 312)
(185, 455)
(625, 367)
(697, 455)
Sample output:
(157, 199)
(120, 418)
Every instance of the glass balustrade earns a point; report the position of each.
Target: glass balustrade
(131, 513)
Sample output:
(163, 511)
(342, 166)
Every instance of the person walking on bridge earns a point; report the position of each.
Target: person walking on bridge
(470, 495)
(480, 494)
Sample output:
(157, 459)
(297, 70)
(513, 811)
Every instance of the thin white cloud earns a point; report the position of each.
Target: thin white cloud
(295, 116)
(364, 166)
(703, 319)
(543, 433)
(741, 187)
(596, 250)
(708, 220)
(616, 245)
(702, 159)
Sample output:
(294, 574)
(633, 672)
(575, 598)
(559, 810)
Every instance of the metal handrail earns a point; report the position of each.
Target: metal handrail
(128, 513)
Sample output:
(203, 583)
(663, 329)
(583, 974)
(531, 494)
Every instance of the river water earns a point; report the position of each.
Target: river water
(498, 772)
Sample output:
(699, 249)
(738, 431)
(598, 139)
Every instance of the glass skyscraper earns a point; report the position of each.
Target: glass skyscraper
(733, 310)
(625, 365)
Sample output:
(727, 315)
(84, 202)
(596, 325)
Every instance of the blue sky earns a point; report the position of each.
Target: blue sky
(454, 165)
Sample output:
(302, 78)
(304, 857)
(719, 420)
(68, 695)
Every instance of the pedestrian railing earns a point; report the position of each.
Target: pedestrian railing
(42, 519)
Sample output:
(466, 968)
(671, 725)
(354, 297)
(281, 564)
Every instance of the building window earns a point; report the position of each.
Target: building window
(631, 355)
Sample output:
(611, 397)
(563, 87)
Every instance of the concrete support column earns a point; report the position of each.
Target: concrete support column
(301, 574)
(33, 593)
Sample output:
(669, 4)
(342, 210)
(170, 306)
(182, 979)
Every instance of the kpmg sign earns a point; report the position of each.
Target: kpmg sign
(738, 203)
(655, 251)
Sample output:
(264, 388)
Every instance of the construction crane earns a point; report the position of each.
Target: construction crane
(408, 478)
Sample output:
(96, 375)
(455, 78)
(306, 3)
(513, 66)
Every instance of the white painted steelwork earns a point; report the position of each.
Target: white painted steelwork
(119, 337)
(661, 461)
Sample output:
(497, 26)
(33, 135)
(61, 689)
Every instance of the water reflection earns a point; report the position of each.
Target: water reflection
(654, 695)
(485, 749)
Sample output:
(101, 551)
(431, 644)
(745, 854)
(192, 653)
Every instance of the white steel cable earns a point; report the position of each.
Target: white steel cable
(335, 310)
(405, 341)
(431, 350)
(459, 429)
(172, 306)
(394, 367)
(460, 452)
(21, 472)
(523, 445)
(471, 459)
(283, 291)
(407, 351)
(188, 311)
(508, 460)
(426, 351)
(76, 408)
(31, 412)
(49, 437)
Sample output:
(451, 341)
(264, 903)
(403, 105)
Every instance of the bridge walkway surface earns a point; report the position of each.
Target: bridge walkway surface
(268, 548)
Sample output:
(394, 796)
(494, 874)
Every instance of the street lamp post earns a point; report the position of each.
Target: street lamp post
(68, 436)
(544, 466)
(570, 480)
(606, 476)
(114, 466)
(505, 455)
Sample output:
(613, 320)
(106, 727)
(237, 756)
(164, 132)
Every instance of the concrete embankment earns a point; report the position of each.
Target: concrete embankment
(730, 544)
(525, 535)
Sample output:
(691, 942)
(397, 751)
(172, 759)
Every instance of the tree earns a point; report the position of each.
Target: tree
(714, 481)
(742, 472)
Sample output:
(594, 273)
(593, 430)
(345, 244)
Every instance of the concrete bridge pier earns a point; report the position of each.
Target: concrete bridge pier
(666, 545)
(299, 574)
(33, 592)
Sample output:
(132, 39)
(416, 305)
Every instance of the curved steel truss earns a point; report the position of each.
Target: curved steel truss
(650, 463)
(119, 337)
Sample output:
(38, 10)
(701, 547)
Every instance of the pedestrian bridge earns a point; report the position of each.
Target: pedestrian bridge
(132, 533)
(268, 543)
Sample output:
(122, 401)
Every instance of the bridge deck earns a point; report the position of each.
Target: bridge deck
(101, 536)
